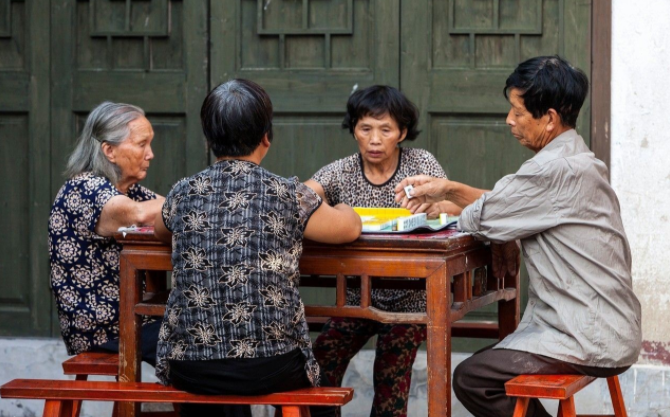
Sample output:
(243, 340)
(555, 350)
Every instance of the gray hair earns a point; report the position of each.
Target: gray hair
(107, 123)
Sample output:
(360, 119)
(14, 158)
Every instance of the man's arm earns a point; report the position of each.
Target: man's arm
(430, 190)
(121, 211)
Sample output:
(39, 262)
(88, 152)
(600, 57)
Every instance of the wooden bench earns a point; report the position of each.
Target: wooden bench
(63, 396)
(559, 387)
(101, 363)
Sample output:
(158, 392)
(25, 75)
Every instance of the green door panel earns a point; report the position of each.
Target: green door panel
(24, 166)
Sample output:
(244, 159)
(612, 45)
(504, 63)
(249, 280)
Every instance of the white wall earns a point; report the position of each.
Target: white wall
(640, 168)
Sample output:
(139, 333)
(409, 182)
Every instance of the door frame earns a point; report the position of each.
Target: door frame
(601, 77)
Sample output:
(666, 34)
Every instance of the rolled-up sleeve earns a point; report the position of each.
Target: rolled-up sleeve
(520, 205)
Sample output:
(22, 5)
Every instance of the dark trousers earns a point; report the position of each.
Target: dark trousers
(149, 340)
(240, 376)
(479, 381)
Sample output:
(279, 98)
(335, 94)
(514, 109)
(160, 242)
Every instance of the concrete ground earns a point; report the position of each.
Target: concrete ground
(646, 388)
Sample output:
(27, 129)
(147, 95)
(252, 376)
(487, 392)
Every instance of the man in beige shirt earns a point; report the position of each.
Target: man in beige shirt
(582, 316)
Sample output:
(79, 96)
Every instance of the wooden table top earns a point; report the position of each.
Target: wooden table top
(442, 241)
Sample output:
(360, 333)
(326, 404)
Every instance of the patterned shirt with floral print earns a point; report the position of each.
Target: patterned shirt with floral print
(84, 265)
(237, 238)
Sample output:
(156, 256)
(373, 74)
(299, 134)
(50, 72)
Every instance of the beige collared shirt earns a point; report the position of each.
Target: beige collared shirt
(581, 306)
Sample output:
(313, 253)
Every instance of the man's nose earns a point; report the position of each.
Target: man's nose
(509, 120)
(150, 154)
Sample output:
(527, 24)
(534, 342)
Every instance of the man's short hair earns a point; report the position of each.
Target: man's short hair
(379, 100)
(235, 116)
(550, 82)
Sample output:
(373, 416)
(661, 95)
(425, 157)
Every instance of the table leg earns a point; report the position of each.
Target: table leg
(129, 332)
(438, 347)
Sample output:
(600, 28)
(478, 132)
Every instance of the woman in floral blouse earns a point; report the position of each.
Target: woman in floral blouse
(379, 119)
(234, 322)
(101, 194)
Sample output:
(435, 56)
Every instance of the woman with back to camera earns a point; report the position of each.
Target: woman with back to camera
(101, 194)
(234, 322)
(379, 118)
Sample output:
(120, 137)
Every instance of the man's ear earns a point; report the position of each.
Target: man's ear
(554, 120)
(108, 150)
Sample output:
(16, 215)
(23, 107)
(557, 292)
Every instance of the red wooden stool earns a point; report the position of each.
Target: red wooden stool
(559, 387)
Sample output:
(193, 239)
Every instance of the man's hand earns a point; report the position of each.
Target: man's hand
(431, 190)
(433, 210)
(506, 259)
(425, 190)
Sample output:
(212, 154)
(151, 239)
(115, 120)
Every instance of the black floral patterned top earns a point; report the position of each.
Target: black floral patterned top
(344, 181)
(237, 238)
(84, 265)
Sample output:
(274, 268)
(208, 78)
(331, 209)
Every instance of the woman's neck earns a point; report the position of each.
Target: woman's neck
(383, 171)
(123, 186)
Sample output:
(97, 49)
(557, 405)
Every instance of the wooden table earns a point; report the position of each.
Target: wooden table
(454, 268)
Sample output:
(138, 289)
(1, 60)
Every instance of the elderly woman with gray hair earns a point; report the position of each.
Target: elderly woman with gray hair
(101, 194)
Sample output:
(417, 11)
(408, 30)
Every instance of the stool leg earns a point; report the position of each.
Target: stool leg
(76, 408)
(521, 407)
(59, 408)
(291, 411)
(617, 397)
(566, 408)
(304, 411)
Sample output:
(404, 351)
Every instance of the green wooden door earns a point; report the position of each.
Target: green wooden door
(456, 56)
(60, 58)
(309, 55)
(24, 168)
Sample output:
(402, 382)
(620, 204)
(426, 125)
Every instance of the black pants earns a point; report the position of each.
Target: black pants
(149, 340)
(240, 376)
(479, 381)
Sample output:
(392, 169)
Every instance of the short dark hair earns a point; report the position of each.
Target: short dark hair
(550, 82)
(379, 100)
(235, 116)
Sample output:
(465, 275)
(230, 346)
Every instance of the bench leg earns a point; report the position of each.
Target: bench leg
(566, 408)
(521, 407)
(294, 411)
(59, 408)
(617, 397)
